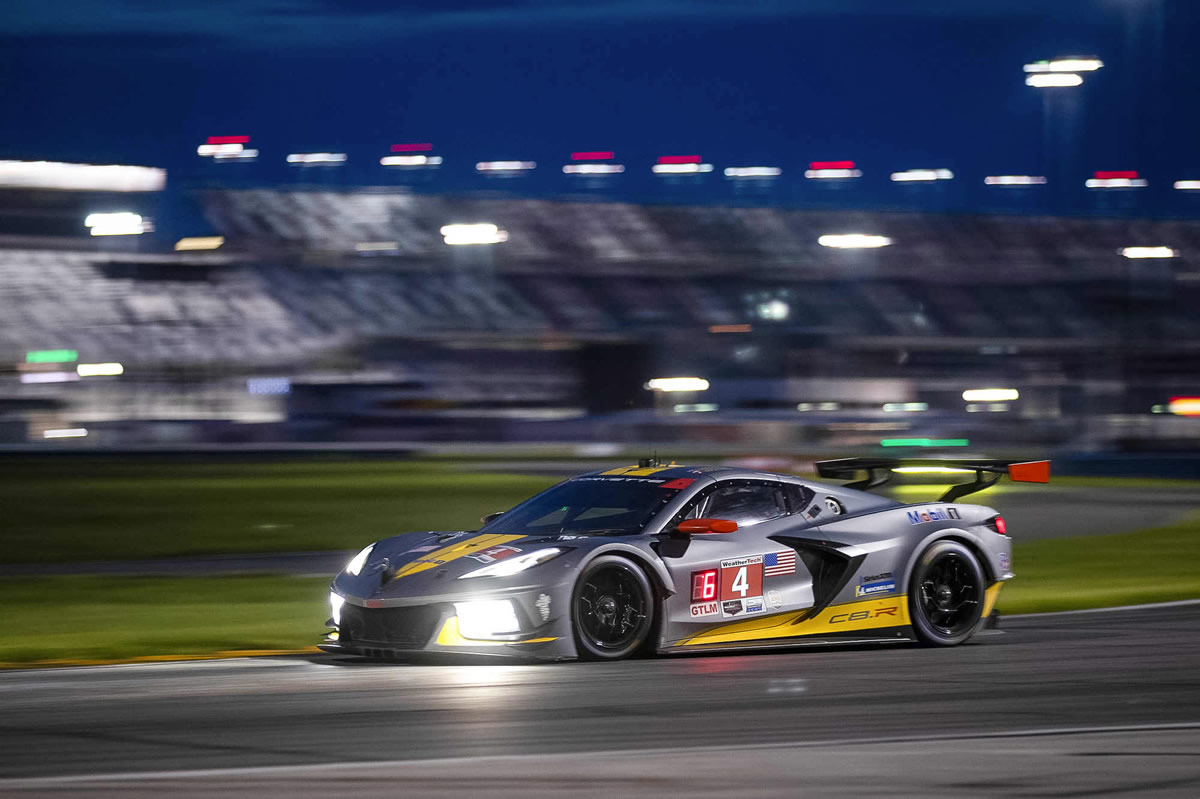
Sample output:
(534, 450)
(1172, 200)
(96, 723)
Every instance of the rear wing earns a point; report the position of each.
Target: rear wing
(987, 472)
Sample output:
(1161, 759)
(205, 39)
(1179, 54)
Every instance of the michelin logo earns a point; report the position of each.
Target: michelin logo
(932, 515)
(870, 589)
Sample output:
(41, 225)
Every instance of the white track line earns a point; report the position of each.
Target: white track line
(1150, 606)
(307, 768)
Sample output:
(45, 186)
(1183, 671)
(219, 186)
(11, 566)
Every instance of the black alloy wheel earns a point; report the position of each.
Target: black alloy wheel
(612, 609)
(946, 594)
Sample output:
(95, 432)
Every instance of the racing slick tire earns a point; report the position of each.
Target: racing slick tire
(945, 594)
(612, 609)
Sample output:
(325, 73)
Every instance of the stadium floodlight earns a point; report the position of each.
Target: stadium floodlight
(743, 172)
(673, 384)
(80, 177)
(241, 155)
(199, 243)
(593, 169)
(1187, 185)
(49, 377)
(1052, 80)
(853, 241)
(680, 169)
(1149, 252)
(99, 369)
(1118, 179)
(66, 432)
(225, 149)
(922, 175)
(411, 160)
(505, 166)
(991, 394)
(317, 159)
(123, 223)
(1072, 64)
(1014, 180)
(480, 233)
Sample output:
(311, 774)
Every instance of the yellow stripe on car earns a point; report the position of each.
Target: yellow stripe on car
(869, 614)
(454, 551)
(637, 471)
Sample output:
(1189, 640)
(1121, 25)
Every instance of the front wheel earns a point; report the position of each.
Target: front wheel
(612, 609)
(945, 594)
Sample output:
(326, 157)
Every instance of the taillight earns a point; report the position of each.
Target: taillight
(997, 524)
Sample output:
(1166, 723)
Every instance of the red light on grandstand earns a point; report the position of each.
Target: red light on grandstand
(228, 139)
(1118, 175)
(594, 155)
(423, 147)
(831, 165)
(679, 159)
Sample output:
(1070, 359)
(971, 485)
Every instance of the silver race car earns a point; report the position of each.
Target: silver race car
(667, 558)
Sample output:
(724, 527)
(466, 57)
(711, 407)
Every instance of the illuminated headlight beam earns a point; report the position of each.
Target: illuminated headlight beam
(486, 618)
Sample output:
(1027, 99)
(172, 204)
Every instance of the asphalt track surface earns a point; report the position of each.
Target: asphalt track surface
(1060, 705)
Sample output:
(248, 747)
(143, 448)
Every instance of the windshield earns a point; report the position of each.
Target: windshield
(588, 504)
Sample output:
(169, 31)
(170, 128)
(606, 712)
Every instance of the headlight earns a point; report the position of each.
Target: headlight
(359, 560)
(520, 563)
(486, 618)
(335, 607)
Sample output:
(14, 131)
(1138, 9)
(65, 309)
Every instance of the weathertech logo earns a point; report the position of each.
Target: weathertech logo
(863, 615)
(932, 515)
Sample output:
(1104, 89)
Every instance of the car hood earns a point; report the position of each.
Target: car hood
(428, 564)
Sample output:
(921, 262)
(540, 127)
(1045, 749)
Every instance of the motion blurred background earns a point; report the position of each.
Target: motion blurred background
(291, 275)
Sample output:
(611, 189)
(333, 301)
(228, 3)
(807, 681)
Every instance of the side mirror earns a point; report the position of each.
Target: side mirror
(707, 527)
(491, 517)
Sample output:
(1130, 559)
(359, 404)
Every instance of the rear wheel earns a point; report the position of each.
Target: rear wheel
(612, 609)
(945, 594)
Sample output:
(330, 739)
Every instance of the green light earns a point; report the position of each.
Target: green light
(925, 442)
(51, 356)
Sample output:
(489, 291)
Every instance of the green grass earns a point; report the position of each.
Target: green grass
(1155, 565)
(108, 618)
(62, 510)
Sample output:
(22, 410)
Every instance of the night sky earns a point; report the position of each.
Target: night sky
(938, 84)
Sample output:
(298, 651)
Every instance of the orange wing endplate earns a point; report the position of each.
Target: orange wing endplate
(1031, 472)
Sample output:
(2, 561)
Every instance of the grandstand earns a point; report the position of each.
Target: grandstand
(358, 289)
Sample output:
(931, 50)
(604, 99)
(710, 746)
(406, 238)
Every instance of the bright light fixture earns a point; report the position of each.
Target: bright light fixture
(680, 169)
(990, 394)
(922, 175)
(1116, 183)
(1052, 80)
(1014, 180)
(486, 618)
(99, 369)
(245, 154)
(411, 160)
(358, 561)
(1187, 185)
(739, 172)
(669, 384)
(1184, 406)
(199, 243)
(481, 233)
(1149, 252)
(316, 158)
(335, 606)
(80, 177)
(832, 174)
(122, 223)
(505, 166)
(1066, 65)
(66, 432)
(514, 565)
(853, 241)
(593, 169)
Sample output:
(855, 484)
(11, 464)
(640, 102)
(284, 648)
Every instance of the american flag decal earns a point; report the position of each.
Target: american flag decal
(777, 563)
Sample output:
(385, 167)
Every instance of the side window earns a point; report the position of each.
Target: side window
(747, 502)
